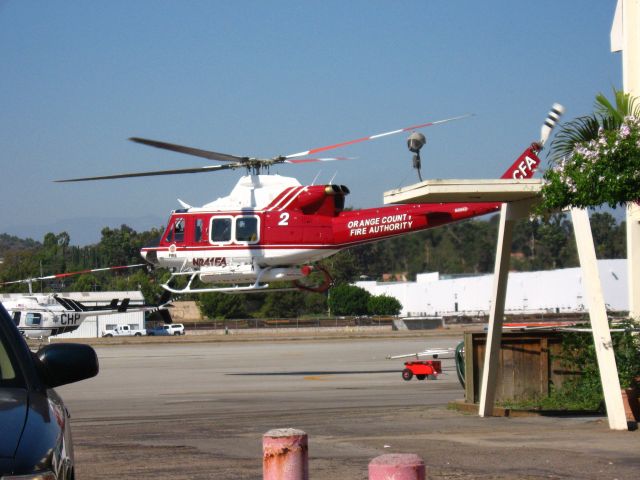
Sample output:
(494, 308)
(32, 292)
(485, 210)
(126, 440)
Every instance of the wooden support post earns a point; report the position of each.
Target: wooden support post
(285, 455)
(496, 315)
(397, 466)
(509, 213)
(633, 259)
(625, 38)
(599, 322)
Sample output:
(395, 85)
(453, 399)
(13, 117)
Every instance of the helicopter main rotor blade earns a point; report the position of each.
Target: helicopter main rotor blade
(223, 157)
(373, 137)
(309, 160)
(207, 168)
(79, 272)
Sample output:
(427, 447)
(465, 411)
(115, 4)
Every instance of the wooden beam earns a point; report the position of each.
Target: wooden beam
(599, 322)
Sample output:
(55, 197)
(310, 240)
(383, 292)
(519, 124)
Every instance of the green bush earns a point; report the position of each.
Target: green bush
(384, 305)
(596, 158)
(347, 300)
(579, 354)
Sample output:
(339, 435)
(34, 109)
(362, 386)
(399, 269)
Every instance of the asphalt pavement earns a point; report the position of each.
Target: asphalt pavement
(184, 410)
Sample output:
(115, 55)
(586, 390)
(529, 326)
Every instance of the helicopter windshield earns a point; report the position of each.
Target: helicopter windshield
(175, 232)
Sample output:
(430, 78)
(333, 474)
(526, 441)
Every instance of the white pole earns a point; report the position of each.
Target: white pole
(494, 329)
(599, 322)
(625, 36)
(509, 213)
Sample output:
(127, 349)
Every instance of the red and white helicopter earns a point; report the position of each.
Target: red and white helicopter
(272, 228)
(40, 316)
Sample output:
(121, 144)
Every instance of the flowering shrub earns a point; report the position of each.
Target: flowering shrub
(603, 170)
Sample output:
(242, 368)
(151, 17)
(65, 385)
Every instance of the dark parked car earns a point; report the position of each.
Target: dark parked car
(35, 438)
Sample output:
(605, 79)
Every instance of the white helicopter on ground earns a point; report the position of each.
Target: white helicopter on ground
(40, 316)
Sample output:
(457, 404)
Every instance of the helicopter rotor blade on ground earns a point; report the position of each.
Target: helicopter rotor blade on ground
(79, 272)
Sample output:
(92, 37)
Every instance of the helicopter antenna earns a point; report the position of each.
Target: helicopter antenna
(333, 178)
(316, 177)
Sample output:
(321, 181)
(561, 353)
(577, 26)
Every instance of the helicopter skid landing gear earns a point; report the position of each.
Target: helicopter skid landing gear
(259, 285)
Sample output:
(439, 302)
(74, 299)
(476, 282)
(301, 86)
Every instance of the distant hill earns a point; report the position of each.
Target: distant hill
(84, 230)
(11, 242)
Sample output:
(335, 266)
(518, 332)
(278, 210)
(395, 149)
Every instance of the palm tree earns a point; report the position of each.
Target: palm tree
(583, 129)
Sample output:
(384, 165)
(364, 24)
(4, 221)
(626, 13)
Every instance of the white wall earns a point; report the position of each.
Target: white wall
(549, 290)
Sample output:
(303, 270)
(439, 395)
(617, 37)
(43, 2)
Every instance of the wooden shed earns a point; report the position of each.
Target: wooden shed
(528, 365)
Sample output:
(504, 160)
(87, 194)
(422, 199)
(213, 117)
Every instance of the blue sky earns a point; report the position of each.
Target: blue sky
(264, 78)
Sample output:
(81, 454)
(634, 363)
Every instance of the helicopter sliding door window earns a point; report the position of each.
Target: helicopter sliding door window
(33, 319)
(247, 229)
(220, 230)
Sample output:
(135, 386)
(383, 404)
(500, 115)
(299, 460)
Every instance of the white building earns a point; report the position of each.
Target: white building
(93, 326)
(527, 292)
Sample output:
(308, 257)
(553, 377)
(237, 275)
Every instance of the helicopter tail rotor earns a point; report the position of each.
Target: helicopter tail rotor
(550, 122)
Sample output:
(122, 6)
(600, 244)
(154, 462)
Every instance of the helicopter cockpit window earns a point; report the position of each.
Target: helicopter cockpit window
(247, 229)
(175, 232)
(178, 227)
(33, 319)
(220, 230)
(169, 237)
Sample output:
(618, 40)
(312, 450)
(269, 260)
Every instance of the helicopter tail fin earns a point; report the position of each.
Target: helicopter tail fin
(525, 165)
(69, 304)
(124, 305)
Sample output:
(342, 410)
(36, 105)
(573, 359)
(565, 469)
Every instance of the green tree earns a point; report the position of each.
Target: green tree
(383, 305)
(556, 245)
(607, 116)
(222, 305)
(283, 305)
(608, 237)
(348, 300)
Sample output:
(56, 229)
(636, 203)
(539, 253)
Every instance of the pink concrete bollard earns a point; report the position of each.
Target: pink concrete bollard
(397, 466)
(285, 455)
